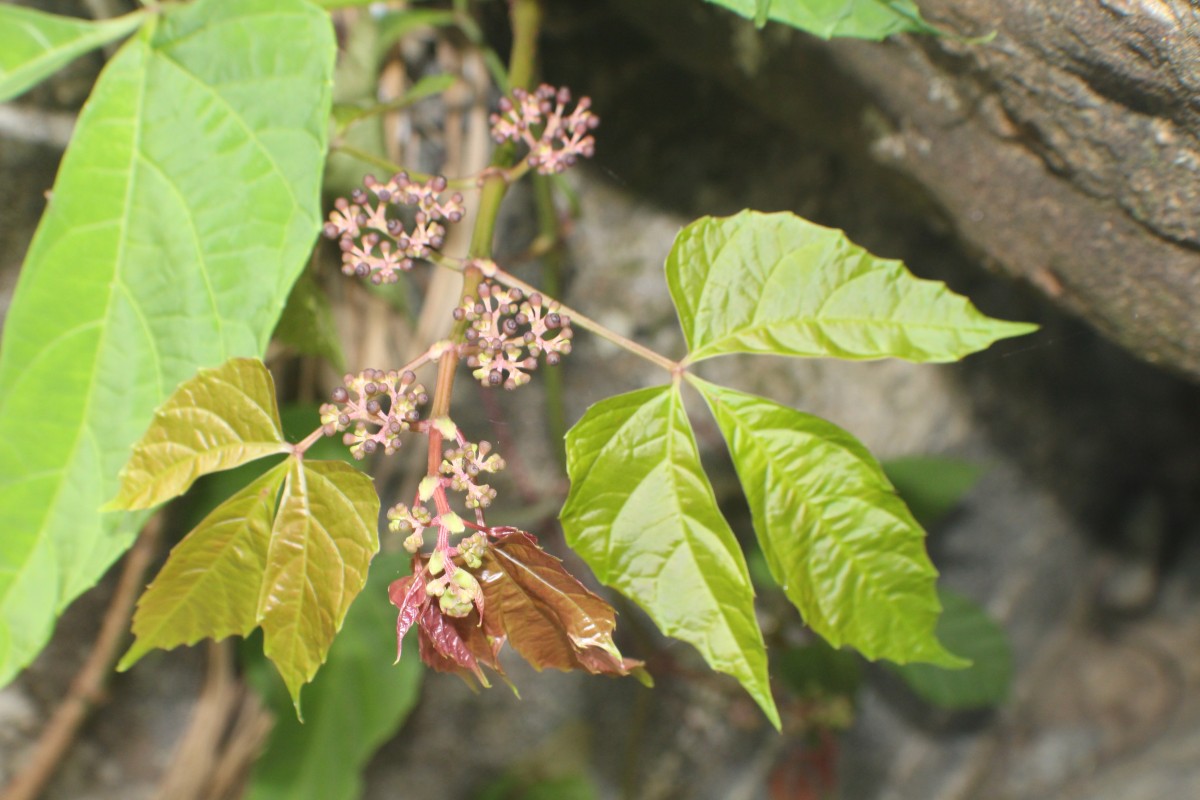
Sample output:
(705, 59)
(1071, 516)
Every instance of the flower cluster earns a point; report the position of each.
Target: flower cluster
(555, 139)
(380, 405)
(459, 471)
(376, 245)
(462, 466)
(508, 331)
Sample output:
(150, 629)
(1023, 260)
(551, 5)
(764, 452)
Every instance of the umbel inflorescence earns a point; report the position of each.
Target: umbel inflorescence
(473, 586)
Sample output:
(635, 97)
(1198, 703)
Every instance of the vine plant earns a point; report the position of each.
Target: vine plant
(289, 552)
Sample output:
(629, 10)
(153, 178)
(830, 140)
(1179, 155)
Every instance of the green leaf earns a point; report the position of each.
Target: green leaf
(34, 45)
(184, 208)
(325, 534)
(643, 516)
(818, 670)
(862, 19)
(348, 114)
(357, 702)
(209, 586)
(838, 540)
(307, 323)
(968, 630)
(778, 284)
(218, 420)
(931, 486)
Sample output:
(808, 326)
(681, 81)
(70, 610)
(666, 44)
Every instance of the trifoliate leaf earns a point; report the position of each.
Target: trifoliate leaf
(642, 514)
(777, 284)
(836, 536)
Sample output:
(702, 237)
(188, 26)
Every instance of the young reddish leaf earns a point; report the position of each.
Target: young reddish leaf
(324, 537)
(219, 419)
(445, 642)
(209, 585)
(408, 595)
(643, 515)
(550, 618)
(840, 542)
(443, 647)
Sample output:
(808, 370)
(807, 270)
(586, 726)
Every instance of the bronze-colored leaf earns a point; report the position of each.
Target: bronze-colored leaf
(551, 618)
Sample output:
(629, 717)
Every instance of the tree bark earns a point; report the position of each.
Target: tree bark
(1065, 150)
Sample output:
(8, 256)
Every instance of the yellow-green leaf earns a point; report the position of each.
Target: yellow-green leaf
(777, 284)
(209, 586)
(325, 534)
(836, 537)
(220, 419)
(643, 516)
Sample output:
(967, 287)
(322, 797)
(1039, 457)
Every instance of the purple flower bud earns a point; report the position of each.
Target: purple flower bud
(340, 395)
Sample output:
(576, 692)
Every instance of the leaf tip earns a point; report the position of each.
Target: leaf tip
(132, 656)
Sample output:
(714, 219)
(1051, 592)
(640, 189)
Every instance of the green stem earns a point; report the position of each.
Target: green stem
(588, 324)
(526, 18)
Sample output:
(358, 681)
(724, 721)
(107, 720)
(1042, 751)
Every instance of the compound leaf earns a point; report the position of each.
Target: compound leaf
(220, 419)
(969, 630)
(210, 584)
(836, 536)
(861, 19)
(325, 535)
(184, 208)
(778, 284)
(34, 45)
(642, 514)
(357, 701)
